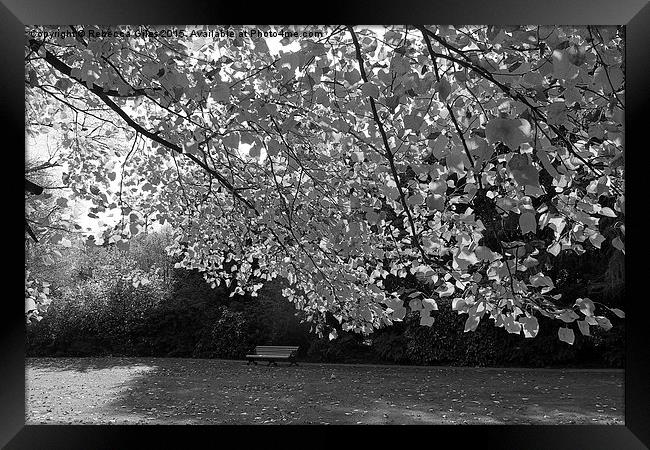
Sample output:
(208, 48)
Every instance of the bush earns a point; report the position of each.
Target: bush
(391, 345)
(231, 336)
(103, 316)
(111, 317)
(347, 348)
(446, 343)
(95, 318)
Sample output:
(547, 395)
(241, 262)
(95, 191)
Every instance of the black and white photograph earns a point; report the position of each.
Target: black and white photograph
(325, 224)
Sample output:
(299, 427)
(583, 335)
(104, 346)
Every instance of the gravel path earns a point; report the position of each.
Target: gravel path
(201, 391)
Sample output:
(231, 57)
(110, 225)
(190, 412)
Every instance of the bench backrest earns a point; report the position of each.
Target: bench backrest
(275, 350)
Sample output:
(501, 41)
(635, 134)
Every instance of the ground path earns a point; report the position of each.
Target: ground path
(204, 391)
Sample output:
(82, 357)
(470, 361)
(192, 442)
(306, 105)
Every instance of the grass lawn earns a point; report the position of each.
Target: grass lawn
(203, 391)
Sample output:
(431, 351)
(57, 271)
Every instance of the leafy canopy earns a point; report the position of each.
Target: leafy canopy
(468, 158)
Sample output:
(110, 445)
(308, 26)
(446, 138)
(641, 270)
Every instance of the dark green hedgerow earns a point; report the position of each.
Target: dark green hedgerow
(196, 321)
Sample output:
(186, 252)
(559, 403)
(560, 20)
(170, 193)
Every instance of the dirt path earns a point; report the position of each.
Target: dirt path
(196, 391)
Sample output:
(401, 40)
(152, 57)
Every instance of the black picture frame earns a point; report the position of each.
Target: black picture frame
(634, 14)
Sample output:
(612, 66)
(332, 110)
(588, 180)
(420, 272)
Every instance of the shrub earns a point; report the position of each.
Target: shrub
(232, 335)
(96, 317)
(445, 342)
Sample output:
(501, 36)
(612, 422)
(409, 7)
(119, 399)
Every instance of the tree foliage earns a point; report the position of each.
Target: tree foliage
(470, 158)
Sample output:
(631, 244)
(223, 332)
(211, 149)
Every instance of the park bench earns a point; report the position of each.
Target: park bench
(273, 353)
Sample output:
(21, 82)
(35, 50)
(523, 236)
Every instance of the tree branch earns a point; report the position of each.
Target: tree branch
(55, 62)
(512, 93)
(387, 152)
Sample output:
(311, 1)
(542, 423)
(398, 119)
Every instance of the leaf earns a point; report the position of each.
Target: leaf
(511, 325)
(191, 147)
(557, 113)
(618, 312)
(134, 228)
(221, 93)
(605, 211)
(425, 318)
(540, 280)
(566, 335)
(584, 327)
(596, 239)
(467, 256)
(254, 152)
(458, 304)
(471, 323)
(341, 125)
(586, 306)
(443, 88)
(568, 316)
(396, 307)
(446, 290)
(399, 65)
(530, 262)
(523, 171)
(456, 162)
(512, 132)
(33, 78)
(413, 122)
(542, 155)
(429, 304)
(527, 222)
(30, 305)
(485, 254)
(554, 249)
(392, 103)
(479, 148)
(439, 146)
(460, 76)
(123, 245)
(604, 323)
(416, 199)
(399, 313)
(370, 90)
(562, 67)
(436, 202)
(63, 83)
(618, 244)
(415, 305)
(557, 224)
(530, 326)
(273, 147)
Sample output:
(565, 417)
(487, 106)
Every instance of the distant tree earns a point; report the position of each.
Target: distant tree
(149, 250)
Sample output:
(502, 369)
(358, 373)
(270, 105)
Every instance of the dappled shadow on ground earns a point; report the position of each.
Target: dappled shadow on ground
(194, 391)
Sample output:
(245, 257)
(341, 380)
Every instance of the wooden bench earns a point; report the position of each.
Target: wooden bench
(273, 353)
